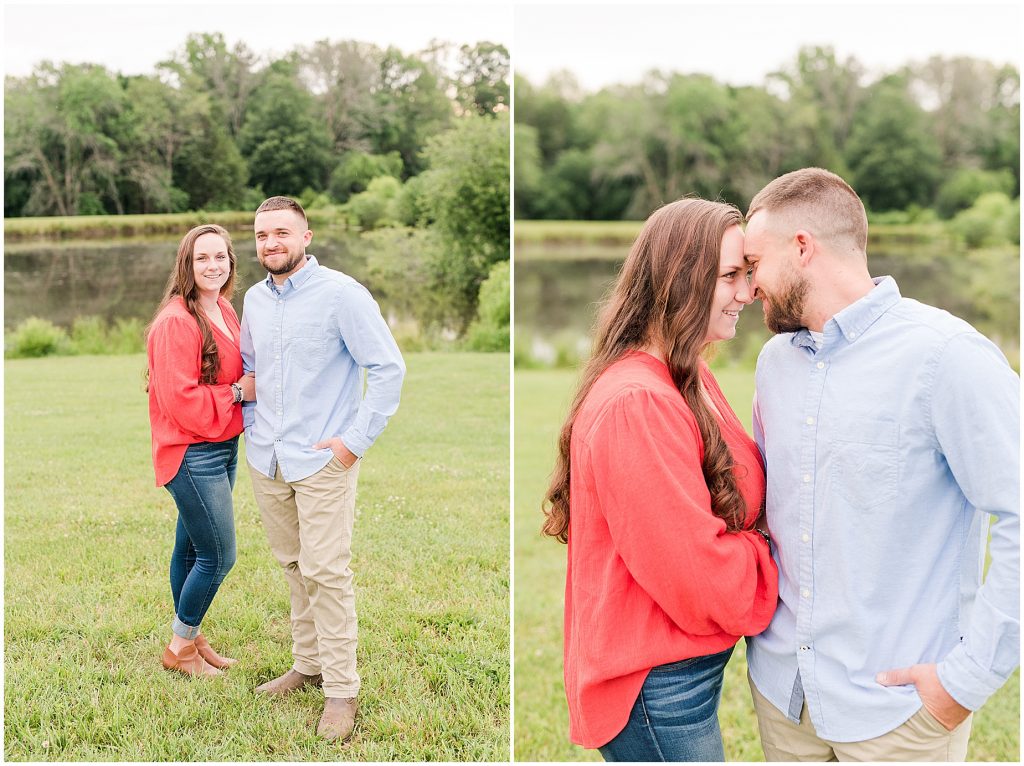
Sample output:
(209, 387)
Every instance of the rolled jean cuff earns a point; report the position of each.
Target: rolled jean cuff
(183, 630)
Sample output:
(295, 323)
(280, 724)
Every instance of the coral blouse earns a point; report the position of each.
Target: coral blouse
(183, 411)
(653, 577)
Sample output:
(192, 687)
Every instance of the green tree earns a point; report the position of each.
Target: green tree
(286, 147)
(528, 171)
(894, 158)
(466, 195)
(411, 107)
(482, 77)
(209, 168)
(356, 169)
(829, 94)
(227, 76)
(61, 131)
(345, 76)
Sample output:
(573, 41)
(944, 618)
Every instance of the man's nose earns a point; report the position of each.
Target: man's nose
(745, 293)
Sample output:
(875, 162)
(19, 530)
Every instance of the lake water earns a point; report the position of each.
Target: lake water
(557, 294)
(61, 281)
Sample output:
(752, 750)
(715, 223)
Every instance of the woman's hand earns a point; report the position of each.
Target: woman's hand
(248, 385)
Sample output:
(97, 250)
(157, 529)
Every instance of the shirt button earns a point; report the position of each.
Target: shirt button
(804, 648)
(807, 478)
(821, 365)
(810, 421)
(853, 335)
(279, 412)
(805, 593)
(805, 537)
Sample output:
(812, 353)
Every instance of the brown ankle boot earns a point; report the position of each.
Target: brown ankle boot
(339, 718)
(207, 653)
(188, 661)
(289, 682)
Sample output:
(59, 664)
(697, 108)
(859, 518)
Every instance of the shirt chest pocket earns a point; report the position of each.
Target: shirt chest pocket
(307, 345)
(866, 463)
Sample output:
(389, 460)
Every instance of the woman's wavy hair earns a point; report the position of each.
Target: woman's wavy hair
(182, 282)
(663, 296)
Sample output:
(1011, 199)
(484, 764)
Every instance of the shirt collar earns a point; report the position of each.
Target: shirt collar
(297, 279)
(858, 316)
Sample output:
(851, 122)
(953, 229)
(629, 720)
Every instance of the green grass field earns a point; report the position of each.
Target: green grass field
(541, 719)
(88, 605)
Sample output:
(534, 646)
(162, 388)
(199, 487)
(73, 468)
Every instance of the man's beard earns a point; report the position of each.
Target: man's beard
(294, 259)
(784, 311)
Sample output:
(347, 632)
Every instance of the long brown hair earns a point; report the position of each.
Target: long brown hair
(663, 295)
(182, 282)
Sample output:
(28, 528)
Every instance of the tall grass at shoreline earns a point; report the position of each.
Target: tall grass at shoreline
(88, 606)
(143, 225)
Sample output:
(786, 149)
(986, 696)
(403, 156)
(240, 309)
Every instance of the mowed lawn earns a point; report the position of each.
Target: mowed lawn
(88, 606)
(541, 720)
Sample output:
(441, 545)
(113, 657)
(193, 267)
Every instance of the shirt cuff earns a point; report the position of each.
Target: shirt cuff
(356, 442)
(966, 681)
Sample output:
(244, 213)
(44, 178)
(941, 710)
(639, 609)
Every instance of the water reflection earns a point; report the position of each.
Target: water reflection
(557, 297)
(61, 281)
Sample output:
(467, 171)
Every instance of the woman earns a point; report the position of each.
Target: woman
(196, 388)
(656, 490)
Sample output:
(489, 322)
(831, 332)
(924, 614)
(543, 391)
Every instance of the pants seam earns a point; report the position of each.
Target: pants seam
(650, 728)
(213, 584)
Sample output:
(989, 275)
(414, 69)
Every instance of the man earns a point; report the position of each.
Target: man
(890, 433)
(307, 332)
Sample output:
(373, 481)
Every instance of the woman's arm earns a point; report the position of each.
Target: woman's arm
(196, 408)
(645, 463)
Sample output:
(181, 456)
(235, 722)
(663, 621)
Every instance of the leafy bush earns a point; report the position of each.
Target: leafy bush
(372, 208)
(36, 337)
(992, 220)
(89, 335)
(355, 170)
(490, 330)
(127, 336)
(965, 186)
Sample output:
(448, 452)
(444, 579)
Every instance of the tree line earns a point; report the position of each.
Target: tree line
(216, 128)
(933, 135)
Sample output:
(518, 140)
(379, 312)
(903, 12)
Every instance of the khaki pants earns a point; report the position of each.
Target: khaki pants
(309, 528)
(920, 738)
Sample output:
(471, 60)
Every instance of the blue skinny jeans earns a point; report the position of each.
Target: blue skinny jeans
(204, 541)
(675, 716)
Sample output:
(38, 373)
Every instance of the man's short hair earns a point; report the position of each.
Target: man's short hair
(820, 202)
(282, 203)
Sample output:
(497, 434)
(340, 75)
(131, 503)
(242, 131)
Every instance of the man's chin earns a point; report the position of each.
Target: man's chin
(779, 325)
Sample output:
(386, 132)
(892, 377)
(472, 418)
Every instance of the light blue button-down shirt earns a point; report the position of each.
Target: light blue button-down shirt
(308, 341)
(888, 452)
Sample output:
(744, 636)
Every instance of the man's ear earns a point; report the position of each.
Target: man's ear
(808, 245)
(307, 237)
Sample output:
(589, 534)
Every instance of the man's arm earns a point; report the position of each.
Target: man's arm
(369, 340)
(976, 414)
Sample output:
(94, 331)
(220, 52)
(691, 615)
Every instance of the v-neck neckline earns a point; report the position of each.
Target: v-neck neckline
(227, 334)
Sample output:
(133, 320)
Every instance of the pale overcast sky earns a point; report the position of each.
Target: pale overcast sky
(740, 43)
(132, 38)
